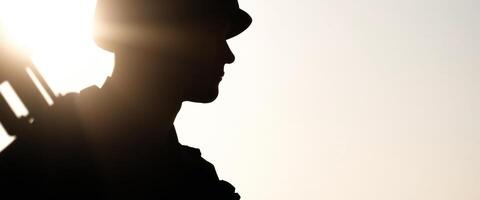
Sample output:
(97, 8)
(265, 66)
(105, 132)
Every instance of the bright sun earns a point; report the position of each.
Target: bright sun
(58, 36)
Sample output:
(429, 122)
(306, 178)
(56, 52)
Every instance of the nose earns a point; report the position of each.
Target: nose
(229, 56)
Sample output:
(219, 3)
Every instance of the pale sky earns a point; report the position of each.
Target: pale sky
(342, 100)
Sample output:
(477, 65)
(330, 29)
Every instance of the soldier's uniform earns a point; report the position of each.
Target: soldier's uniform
(57, 160)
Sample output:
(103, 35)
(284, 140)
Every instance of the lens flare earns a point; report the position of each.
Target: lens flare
(57, 34)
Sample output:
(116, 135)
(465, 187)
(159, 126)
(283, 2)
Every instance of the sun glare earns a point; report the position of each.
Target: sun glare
(57, 34)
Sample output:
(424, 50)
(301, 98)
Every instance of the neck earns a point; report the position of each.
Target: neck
(136, 94)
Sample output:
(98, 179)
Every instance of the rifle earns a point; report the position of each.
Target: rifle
(18, 73)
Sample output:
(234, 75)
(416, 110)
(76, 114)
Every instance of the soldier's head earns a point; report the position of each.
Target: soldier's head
(179, 44)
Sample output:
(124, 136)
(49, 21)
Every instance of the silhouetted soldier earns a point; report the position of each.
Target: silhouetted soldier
(119, 141)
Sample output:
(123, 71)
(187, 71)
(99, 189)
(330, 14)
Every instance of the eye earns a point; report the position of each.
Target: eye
(217, 26)
(224, 26)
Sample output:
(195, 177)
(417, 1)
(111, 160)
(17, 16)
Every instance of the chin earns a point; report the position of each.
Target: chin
(206, 96)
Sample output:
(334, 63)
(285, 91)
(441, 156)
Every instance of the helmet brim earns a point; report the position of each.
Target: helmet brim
(241, 20)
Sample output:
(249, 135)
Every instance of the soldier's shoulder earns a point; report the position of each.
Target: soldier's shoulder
(67, 100)
(62, 122)
(66, 107)
(193, 160)
(206, 175)
(190, 151)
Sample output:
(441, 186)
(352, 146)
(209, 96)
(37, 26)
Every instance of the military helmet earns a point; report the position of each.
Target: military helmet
(120, 22)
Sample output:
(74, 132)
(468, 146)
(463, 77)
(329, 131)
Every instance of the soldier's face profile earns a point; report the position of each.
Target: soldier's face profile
(209, 52)
(200, 51)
